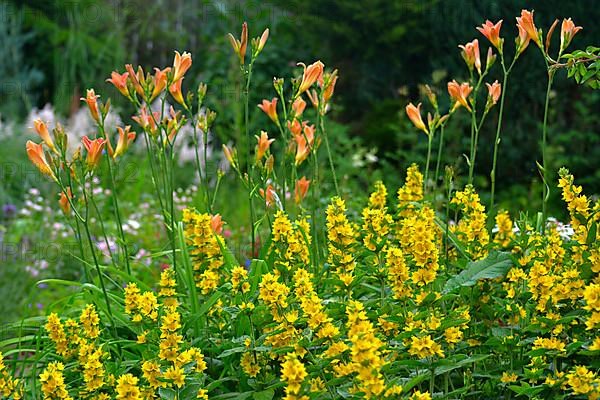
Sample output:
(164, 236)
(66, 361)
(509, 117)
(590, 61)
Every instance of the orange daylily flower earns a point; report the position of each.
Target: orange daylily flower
(239, 46)
(36, 155)
(460, 94)
(146, 120)
(492, 33)
(301, 189)
(125, 139)
(311, 74)
(216, 223)
(298, 107)
(270, 195)
(138, 80)
(304, 143)
(63, 202)
(181, 64)
(414, 114)
(175, 90)
(525, 21)
(568, 30)
(92, 101)
(470, 53)
(94, 150)
(42, 130)
(295, 127)
(120, 82)
(494, 91)
(160, 82)
(263, 145)
(270, 108)
(522, 41)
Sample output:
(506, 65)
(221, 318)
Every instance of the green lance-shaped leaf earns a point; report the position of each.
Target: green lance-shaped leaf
(495, 265)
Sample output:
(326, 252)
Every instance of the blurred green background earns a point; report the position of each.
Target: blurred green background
(53, 50)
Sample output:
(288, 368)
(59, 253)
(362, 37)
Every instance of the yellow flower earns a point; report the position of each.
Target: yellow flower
(127, 388)
(508, 377)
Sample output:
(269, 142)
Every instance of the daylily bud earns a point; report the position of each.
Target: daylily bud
(270, 108)
(270, 163)
(120, 82)
(36, 155)
(137, 80)
(491, 59)
(278, 84)
(568, 30)
(431, 96)
(230, 155)
(202, 88)
(301, 189)
(61, 137)
(549, 34)
(263, 40)
(239, 46)
(64, 202)
(492, 33)
(94, 151)
(181, 64)
(42, 130)
(414, 114)
(263, 145)
(92, 101)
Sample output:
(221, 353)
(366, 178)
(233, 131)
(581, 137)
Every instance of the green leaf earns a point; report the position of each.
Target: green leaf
(264, 395)
(495, 265)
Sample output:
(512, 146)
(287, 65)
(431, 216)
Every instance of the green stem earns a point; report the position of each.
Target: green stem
(545, 187)
(248, 155)
(335, 182)
(439, 156)
(497, 140)
(92, 249)
(429, 141)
